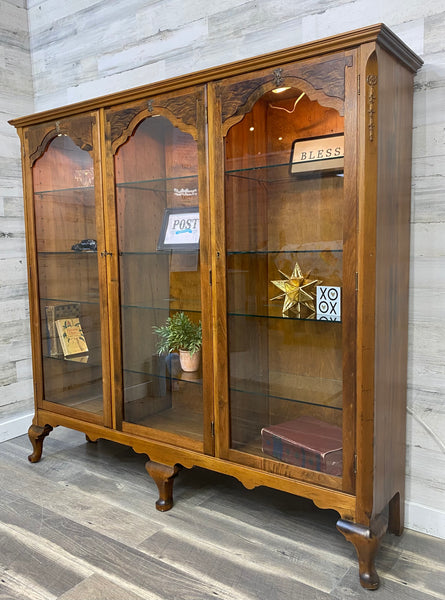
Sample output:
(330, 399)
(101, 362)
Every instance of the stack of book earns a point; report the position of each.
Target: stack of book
(305, 442)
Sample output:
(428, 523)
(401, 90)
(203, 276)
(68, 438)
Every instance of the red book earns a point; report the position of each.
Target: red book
(305, 442)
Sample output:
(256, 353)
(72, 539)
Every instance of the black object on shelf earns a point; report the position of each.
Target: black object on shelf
(85, 246)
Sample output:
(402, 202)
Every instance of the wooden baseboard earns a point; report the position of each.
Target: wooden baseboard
(14, 425)
(425, 519)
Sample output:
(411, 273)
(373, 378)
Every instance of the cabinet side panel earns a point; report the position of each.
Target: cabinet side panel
(366, 253)
(33, 284)
(395, 90)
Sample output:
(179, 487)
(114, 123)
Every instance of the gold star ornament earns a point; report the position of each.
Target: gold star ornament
(298, 290)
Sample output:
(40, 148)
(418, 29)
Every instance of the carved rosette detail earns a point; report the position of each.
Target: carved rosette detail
(371, 80)
(278, 77)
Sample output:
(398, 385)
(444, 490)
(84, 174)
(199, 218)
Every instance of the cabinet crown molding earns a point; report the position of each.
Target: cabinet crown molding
(379, 33)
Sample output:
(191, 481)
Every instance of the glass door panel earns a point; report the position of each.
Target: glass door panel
(284, 242)
(157, 204)
(66, 239)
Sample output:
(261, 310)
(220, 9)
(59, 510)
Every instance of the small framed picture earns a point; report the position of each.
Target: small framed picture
(180, 229)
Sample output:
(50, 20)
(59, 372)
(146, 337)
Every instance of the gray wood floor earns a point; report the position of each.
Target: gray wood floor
(81, 525)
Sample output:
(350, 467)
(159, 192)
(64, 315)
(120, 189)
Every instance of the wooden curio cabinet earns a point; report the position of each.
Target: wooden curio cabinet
(267, 201)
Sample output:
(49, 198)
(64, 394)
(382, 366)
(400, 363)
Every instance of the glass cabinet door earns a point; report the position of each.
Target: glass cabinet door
(66, 232)
(160, 244)
(285, 227)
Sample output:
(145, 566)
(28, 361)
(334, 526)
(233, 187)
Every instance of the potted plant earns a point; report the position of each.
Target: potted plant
(183, 335)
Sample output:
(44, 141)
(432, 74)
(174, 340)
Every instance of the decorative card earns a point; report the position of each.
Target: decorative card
(55, 312)
(328, 303)
(71, 337)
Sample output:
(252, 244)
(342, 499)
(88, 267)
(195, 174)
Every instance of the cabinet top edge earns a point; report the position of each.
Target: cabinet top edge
(379, 33)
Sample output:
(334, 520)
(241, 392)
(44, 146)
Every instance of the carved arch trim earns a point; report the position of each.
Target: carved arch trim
(81, 136)
(124, 123)
(259, 88)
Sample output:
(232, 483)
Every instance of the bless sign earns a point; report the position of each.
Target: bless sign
(318, 154)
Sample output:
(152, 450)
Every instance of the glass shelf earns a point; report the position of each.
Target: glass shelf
(317, 250)
(166, 184)
(66, 253)
(162, 253)
(90, 359)
(281, 317)
(194, 378)
(271, 396)
(151, 253)
(165, 308)
(70, 301)
(75, 190)
(276, 173)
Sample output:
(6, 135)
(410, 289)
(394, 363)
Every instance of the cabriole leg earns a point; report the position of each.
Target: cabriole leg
(36, 435)
(366, 543)
(163, 476)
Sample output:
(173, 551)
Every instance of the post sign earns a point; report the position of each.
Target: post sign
(180, 229)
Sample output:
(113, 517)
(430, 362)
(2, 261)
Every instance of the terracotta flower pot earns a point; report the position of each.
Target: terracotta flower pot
(189, 362)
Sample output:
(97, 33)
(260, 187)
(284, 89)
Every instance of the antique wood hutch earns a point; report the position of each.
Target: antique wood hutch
(268, 200)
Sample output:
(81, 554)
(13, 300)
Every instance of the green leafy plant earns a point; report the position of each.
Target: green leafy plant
(179, 333)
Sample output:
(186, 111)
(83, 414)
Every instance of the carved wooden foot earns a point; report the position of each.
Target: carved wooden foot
(89, 440)
(163, 476)
(366, 543)
(36, 435)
